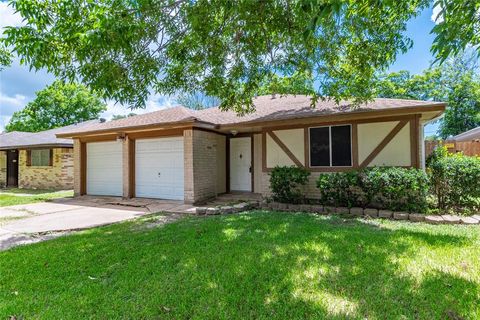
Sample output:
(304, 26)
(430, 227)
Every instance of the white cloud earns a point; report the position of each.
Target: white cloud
(15, 101)
(8, 17)
(436, 16)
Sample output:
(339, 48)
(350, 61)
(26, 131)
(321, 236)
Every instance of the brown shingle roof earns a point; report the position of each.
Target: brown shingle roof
(296, 107)
(165, 116)
(18, 139)
(266, 109)
(470, 135)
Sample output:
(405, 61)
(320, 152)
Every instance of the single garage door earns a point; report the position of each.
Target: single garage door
(104, 168)
(159, 168)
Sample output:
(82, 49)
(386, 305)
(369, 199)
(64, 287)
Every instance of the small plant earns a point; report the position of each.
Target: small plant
(287, 184)
(454, 181)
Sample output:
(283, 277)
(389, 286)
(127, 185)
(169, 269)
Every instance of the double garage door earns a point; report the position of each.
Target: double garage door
(158, 168)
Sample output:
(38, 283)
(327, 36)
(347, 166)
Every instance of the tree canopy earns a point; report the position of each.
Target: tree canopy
(457, 28)
(227, 49)
(57, 105)
(456, 82)
(5, 57)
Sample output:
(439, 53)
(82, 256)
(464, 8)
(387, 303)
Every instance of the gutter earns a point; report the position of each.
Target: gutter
(37, 146)
(127, 129)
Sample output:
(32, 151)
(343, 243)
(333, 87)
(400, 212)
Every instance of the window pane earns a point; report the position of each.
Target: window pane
(40, 157)
(319, 147)
(34, 155)
(341, 146)
(45, 157)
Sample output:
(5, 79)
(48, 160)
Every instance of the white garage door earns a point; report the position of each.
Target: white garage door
(159, 168)
(104, 168)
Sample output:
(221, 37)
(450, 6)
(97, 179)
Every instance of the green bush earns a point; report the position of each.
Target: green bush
(341, 189)
(390, 188)
(286, 184)
(454, 181)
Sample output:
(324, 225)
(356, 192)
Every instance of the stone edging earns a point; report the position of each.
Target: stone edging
(354, 212)
(239, 207)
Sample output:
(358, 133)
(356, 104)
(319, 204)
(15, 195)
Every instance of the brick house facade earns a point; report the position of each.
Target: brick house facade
(196, 155)
(37, 160)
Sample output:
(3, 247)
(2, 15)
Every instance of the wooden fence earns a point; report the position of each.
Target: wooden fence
(469, 148)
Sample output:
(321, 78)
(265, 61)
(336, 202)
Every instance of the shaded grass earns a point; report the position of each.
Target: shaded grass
(262, 265)
(10, 197)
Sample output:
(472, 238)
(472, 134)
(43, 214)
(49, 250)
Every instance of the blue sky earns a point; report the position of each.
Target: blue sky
(18, 85)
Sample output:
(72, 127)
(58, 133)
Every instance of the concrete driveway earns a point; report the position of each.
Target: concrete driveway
(40, 221)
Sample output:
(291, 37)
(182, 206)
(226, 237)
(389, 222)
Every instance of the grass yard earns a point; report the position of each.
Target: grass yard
(10, 197)
(259, 265)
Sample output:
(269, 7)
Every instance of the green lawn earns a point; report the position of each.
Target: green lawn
(260, 265)
(10, 197)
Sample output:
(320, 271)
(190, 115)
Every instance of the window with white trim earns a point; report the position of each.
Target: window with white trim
(40, 157)
(331, 146)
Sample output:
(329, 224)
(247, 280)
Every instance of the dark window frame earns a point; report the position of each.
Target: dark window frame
(30, 162)
(330, 146)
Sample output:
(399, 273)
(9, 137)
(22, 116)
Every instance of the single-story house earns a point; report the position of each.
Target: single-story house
(37, 160)
(190, 155)
(468, 136)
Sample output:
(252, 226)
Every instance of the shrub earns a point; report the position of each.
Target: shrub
(391, 188)
(455, 181)
(341, 189)
(286, 183)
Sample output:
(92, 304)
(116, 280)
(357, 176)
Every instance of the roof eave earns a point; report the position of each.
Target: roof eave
(37, 146)
(341, 115)
(126, 129)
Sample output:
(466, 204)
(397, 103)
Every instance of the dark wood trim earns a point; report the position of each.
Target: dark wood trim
(208, 130)
(383, 143)
(83, 168)
(110, 137)
(156, 134)
(130, 129)
(241, 135)
(323, 169)
(40, 146)
(354, 141)
(131, 168)
(252, 162)
(359, 117)
(29, 157)
(306, 147)
(50, 161)
(264, 152)
(418, 142)
(339, 123)
(227, 166)
(285, 149)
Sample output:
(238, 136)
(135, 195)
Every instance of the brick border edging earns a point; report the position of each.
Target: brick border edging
(354, 212)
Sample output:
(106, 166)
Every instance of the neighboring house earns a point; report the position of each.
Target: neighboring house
(467, 136)
(192, 156)
(37, 160)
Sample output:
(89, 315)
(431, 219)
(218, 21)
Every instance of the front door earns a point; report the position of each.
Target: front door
(241, 164)
(12, 168)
